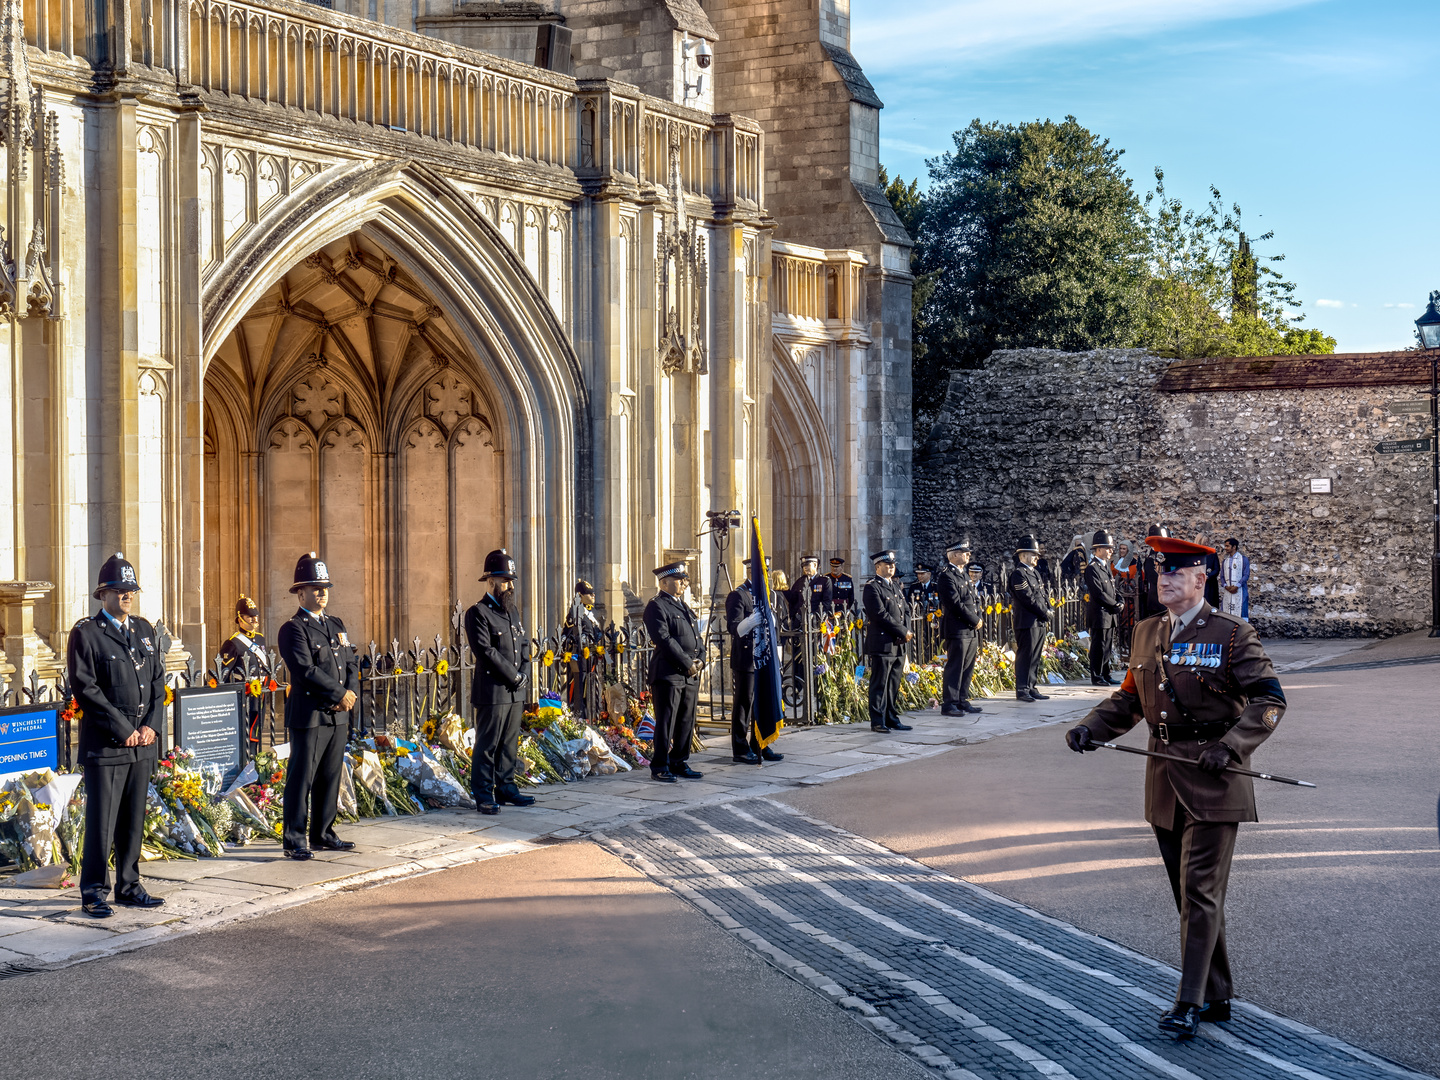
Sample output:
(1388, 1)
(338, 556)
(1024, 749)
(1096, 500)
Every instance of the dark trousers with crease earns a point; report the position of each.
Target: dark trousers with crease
(114, 815)
(885, 673)
(742, 731)
(674, 705)
(312, 782)
(960, 655)
(1029, 648)
(1102, 644)
(1197, 858)
(497, 747)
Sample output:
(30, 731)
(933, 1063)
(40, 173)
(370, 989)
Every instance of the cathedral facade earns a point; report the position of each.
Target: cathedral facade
(403, 283)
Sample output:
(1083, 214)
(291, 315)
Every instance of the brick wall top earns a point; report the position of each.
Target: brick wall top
(1296, 372)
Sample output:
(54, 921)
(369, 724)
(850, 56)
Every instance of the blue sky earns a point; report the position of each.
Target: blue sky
(1308, 113)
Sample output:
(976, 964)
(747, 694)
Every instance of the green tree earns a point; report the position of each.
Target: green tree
(908, 202)
(1034, 238)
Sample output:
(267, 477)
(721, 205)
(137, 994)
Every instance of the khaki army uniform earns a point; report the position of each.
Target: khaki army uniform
(1212, 682)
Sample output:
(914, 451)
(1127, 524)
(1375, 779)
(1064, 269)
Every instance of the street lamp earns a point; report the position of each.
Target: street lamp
(1428, 327)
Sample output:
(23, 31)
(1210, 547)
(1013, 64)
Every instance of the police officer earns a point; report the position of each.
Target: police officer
(117, 676)
(582, 632)
(676, 660)
(886, 632)
(976, 573)
(1147, 599)
(811, 592)
(842, 586)
(740, 619)
(324, 688)
(1030, 605)
(1202, 682)
(1102, 607)
(502, 667)
(960, 617)
(243, 657)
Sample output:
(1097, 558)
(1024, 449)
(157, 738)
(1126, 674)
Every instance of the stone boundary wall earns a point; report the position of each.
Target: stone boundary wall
(1062, 443)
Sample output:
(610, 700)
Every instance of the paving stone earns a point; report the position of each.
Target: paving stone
(55, 940)
(289, 873)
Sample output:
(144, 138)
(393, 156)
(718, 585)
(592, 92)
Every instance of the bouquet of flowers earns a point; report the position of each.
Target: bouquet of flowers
(994, 671)
(28, 834)
(397, 790)
(432, 781)
(532, 766)
(1062, 662)
(368, 775)
(266, 792)
(181, 785)
(920, 688)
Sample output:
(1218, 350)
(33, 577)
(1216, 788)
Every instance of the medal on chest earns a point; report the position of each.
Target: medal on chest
(1195, 654)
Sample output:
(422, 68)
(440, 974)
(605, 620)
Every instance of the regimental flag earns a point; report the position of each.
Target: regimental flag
(768, 712)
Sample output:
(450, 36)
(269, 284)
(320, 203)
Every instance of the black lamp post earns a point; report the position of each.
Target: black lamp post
(1428, 327)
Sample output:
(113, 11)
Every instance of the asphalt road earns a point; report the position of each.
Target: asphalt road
(1334, 901)
(561, 962)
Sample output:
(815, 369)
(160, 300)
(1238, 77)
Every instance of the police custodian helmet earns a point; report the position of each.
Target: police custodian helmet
(310, 570)
(498, 564)
(1102, 538)
(117, 574)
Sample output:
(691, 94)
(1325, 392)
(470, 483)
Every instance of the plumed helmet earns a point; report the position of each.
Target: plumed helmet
(117, 574)
(498, 564)
(246, 606)
(1102, 538)
(310, 570)
(584, 588)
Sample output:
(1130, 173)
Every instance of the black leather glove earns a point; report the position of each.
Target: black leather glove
(1078, 739)
(1214, 759)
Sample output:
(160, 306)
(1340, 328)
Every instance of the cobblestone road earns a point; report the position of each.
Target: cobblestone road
(973, 985)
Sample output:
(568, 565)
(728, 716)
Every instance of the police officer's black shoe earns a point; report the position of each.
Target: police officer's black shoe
(953, 710)
(771, 755)
(485, 806)
(1035, 695)
(298, 853)
(971, 708)
(746, 758)
(1183, 1021)
(1110, 681)
(1024, 695)
(662, 776)
(1095, 680)
(97, 909)
(881, 728)
(686, 772)
(334, 845)
(140, 900)
(512, 796)
(897, 726)
(1215, 1012)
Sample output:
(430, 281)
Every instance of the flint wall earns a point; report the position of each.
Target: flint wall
(1063, 443)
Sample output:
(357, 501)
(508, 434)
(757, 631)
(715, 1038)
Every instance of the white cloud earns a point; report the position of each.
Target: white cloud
(1400, 305)
(1330, 303)
(953, 30)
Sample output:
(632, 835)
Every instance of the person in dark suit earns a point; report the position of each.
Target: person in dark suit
(324, 688)
(1203, 682)
(1212, 573)
(675, 665)
(502, 668)
(117, 676)
(1147, 598)
(1030, 604)
(811, 592)
(740, 619)
(1102, 607)
(1072, 567)
(243, 658)
(887, 629)
(842, 587)
(960, 617)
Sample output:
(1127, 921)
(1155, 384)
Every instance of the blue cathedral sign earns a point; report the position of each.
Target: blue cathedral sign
(28, 738)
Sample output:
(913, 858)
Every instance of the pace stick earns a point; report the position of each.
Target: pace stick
(1188, 761)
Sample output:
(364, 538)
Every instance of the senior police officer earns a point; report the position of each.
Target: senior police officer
(811, 593)
(741, 618)
(1030, 604)
(117, 676)
(676, 660)
(842, 586)
(1102, 607)
(324, 688)
(1203, 683)
(886, 632)
(960, 617)
(502, 667)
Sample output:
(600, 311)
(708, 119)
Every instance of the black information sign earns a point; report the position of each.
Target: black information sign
(1403, 446)
(208, 724)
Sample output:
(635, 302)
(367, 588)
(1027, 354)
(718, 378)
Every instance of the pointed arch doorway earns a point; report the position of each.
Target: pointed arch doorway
(343, 417)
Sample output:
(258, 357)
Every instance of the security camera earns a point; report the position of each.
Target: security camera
(703, 53)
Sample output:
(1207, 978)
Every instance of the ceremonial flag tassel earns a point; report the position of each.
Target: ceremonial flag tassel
(767, 711)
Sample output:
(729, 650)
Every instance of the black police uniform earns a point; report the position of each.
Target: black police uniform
(117, 676)
(885, 630)
(322, 665)
(812, 594)
(960, 616)
(1102, 610)
(739, 606)
(502, 657)
(842, 591)
(1030, 606)
(580, 633)
(674, 690)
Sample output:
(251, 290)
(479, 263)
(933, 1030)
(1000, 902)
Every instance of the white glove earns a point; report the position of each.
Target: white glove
(748, 623)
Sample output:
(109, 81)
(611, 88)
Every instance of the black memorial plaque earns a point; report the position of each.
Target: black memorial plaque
(208, 723)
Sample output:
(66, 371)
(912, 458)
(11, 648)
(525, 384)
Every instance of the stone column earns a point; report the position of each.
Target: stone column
(25, 652)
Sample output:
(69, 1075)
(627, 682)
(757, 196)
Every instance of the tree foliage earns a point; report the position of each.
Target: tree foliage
(1032, 236)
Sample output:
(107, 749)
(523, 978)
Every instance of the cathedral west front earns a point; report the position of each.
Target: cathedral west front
(403, 283)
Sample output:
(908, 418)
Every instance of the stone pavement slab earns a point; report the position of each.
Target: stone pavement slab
(254, 879)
